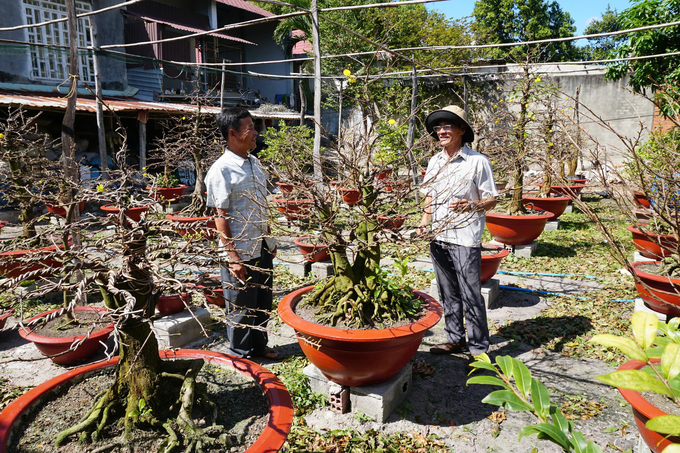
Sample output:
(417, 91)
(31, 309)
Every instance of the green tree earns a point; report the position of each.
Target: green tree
(603, 48)
(508, 21)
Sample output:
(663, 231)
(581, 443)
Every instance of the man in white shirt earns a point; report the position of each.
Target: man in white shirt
(237, 188)
(459, 188)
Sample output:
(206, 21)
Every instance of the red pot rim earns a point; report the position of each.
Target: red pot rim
(287, 315)
(633, 397)
(529, 196)
(176, 218)
(284, 201)
(547, 215)
(570, 186)
(347, 189)
(656, 278)
(51, 248)
(7, 314)
(181, 186)
(634, 230)
(392, 217)
(280, 403)
(503, 252)
(299, 243)
(110, 208)
(27, 334)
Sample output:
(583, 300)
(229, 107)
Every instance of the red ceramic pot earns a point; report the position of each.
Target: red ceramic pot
(571, 191)
(641, 200)
(166, 194)
(554, 205)
(3, 224)
(383, 174)
(655, 246)
(280, 403)
(10, 267)
(314, 253)
(4, 317)
(60, 211)
(294, 209)
(516, 229)
(134, 213)
(643, 215)
(643, 411)
(358, 357)
(391, 222)
(50, 346)
(392, 185)
(214, 292)
(173, 303)
(285, 187)
(350, 196)
(192, 226)
(661, 294)
(491, 263)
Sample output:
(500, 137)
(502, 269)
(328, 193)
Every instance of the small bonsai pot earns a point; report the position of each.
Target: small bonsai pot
(392, 185)
(491, 263)
(167, 194)
(4, 317)
(350, 196)
(383, 173)
(661, 294)
(12, 267)
(61, 211)
(392, 222)
(134, 213)
(173, 303)
(651, 245)
(294, 209)
(285, 187)
(192, 226)
(641, 200)
(213, 291)
(3, 224)
(554, 205)
(313, 253)
(571, 191)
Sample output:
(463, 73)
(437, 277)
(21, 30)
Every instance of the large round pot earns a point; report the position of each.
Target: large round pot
(285, 187)
(214, 292)
(655, 246)
(570, 191)
(661, 294)
(358, 357)
(554, 205)
(392, 222)
(166, 194)
(643, 411)
(61, 211)
(10, 267)
(280, 403)
(184, 229)
(133, 213)
(641, 200)
(350, 196)
(516, 229)
(383, 173)
(396, 185)
(173, 303)
(294, 209)
(50, 346)
(491, 263)
(4, 317)
(314, 253)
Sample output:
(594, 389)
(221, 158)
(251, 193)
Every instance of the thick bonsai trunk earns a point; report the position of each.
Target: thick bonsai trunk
(516, 205)
(549, 153)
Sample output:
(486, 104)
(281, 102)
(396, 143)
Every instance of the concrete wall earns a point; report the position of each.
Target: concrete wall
(266, 50)
(14, 61)
(110, 30)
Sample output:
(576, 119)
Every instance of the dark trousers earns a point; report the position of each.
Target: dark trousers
(458, 271)
(249, 305)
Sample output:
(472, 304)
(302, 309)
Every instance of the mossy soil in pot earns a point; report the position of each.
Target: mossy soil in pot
(652, 268)
(63, 326)
(242, 409)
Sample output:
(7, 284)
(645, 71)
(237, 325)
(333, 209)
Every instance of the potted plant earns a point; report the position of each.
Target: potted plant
(492, 255)
(311, 250)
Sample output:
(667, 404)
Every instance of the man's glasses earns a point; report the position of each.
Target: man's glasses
(444, 128)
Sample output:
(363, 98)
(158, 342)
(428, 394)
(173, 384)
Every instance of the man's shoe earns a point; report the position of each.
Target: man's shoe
(448, 348)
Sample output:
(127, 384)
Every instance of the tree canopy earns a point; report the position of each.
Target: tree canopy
(604, 47)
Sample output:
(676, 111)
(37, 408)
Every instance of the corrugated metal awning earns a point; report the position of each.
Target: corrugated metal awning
(242, 4)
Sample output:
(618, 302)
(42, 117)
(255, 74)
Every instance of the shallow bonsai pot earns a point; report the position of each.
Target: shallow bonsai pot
(50, 346)
(197, 223)
(661, 294)
(61, 211)
(280, 403)
(491, 263)
(392, 185)
(516, 229)
(655, 246)
(314, 253)
(643, 411)
(173, 303)
(3, 224)
(214, 293)
(11, 268)
(571, 191)
(554, 205)
(358, 357)
(383, 173)
(284, 187)
(294, 209)
(166, 194)
(641, 200)
(643, 215)
(350, 196)
(4, 317)
(134, 213)
(392, 222)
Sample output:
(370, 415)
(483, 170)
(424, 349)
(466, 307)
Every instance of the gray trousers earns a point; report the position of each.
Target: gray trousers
(249, 305)
(458, 269)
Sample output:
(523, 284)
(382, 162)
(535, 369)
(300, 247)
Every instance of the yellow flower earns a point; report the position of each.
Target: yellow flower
(183, 118)
(495, 106)
(538, 79)
(550, 144)
(145, 175)
(347, 72)
(215, 141)
(2, 135)
(144, 168)
(391, 121)
(352, 80)
(100, 187)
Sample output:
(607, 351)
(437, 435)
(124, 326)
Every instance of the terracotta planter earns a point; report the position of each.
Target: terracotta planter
(314, 253)
(661, 294)
(392, 222)
(285, 187)
(554, 205)
(655, 246)
(173, 303)
(383, 174)
(391, 185)
(571, 191)
(4, 317)
(516, 229)
(10, 267)
(3, 224)
(51, 346)
(134, 213)
(294, 209)
(214, 293)
(280, 403)
(491, 263)
(165, 194)
(350, 196)
(61, 211)
(643, 411)
(358, 357)
(191, 226)
(643, 215)
(641, 200)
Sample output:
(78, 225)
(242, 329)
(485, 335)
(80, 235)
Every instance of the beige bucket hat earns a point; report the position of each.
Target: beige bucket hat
(451, 113)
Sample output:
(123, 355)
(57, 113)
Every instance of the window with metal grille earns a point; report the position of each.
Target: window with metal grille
(52, 63)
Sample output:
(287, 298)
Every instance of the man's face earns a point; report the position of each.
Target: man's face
(245, 137)
(449, 134)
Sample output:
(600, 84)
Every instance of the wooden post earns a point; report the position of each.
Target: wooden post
(141, 119)
(318, 175)
(340, 114)
(412, 128)
(68, 123)
(101, 132)
(303, 101)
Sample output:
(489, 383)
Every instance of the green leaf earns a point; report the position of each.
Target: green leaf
(578, 441)
(560, 420)
(142, 404)
(522, 376)
(611, 429)
(486, 366)
(665, 424)
(134, 413)
(644, 328)
(670, 361)
(505, 364)
(635, 380)
(625, 345)
(487, 380)
(593, 447)
(540, 398)
(550, 432)
(655, 353)
(507, 399)
(672, 448)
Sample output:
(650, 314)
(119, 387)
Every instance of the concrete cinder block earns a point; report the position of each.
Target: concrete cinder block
(299, 266)
(570, 208)
(323, 269)
(524, 251)
(434, 290)
(173, 331)
(640, 306)
(490, 293)
(317, 381)
(639, 257)
(552, 225)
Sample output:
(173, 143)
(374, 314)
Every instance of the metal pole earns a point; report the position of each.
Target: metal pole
(340, 114)
(142, 145)
(465, 93)
(412, 128)
(101, 131)
(68, 123)
(224, 76)
(316, 157)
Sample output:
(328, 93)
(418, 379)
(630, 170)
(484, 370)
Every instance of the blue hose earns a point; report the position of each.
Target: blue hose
(536, 291)
(545, 274)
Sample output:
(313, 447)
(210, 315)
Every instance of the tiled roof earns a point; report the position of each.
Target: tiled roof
(242, 4)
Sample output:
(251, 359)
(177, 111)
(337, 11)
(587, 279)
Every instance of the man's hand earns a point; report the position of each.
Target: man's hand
(462, 205)
(238, 271)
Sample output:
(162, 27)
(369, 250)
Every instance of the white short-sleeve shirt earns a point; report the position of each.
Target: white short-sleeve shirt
(467, 175)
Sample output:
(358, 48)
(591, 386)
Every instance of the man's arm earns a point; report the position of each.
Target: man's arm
(222, 225)
(427, 216)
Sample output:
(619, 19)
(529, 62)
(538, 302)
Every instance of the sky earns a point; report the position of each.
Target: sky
(582, 11)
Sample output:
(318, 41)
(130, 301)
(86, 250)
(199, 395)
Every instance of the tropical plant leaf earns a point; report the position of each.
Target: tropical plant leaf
(486, 366)
(670, 361)
(488, 380)
(540, 398)
(635, 380)
(505, 364)
(672, 448)
(508, 399)
(593, 447)
(665, 424)
(644, 328)
(522, 377)
(560, 420)
(578, 441)
(625, 345)
(549, 431)
(655, 352)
